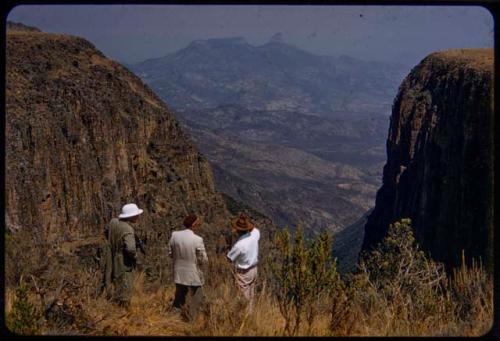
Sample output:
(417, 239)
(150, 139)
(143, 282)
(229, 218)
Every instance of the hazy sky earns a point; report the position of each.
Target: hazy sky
(131, 33)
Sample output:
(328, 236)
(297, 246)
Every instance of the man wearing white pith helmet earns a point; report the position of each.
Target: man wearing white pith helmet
(121, 238)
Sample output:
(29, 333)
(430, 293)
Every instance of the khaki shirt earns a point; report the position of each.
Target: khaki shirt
(122, 244)
(188, 252)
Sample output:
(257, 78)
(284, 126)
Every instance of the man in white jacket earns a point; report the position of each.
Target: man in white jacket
(245, 256)
(188, 252)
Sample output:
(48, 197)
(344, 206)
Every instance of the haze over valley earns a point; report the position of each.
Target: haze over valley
(297, 136)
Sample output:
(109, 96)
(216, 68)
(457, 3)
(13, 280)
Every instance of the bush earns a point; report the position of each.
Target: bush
(399, 290)
(471, 291)
(302, 278)
(24, 317)
(403, 273)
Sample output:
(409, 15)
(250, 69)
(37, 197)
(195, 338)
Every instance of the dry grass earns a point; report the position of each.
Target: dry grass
(148, 314)
(224, 314)
(481, 58)
(465, 308)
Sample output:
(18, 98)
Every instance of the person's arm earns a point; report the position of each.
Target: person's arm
(256, 233)
(106, 263)
(129, 243)
(201, 253)
(170, 246)
(233, 254)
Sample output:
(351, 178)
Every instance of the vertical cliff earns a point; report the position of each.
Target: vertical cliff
(84, 136)
(439, 169)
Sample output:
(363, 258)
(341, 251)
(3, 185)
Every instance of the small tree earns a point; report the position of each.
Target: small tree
(402, 278)
(341, 317)
(322, 272)
(303, 276)
(23, 319)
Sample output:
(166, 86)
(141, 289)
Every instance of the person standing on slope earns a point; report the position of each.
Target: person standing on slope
(245, 255)
(188, 252)
(121, 238)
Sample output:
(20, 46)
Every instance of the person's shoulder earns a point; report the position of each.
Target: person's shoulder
(113, 222)
(198, 237)
(242, 246)
(240, 243)
(126, 227)
(185, 233)
(177, 233)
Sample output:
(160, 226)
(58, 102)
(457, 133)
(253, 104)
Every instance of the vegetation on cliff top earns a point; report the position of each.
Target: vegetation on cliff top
(479, 59)
(397, 290)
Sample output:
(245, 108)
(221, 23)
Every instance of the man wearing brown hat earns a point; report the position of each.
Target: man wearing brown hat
(244, 255)
(188, 252)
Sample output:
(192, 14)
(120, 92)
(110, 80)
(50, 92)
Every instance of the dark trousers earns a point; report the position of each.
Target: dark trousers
(195, 299)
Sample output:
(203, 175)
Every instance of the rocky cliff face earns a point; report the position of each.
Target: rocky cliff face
(439, 170)
(84, 136)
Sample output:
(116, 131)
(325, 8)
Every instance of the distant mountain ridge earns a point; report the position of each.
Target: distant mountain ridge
(274, 119)
(358, 141)
(273, 76)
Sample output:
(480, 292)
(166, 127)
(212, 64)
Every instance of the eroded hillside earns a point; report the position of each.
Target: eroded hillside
(84, 136)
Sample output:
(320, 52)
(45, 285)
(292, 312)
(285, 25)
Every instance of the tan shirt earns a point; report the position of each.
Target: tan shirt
(188, 252)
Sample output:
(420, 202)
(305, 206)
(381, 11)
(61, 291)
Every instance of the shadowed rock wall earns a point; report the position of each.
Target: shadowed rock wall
(439, 170)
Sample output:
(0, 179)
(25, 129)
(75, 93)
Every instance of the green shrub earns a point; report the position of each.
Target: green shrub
(399, 290)
(24, 317)
(303, 277)
(409, 283)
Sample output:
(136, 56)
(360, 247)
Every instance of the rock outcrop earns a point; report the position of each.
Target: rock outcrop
(439, 170)
(84, 136)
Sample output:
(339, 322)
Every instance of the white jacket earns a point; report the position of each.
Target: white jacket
(188, 251)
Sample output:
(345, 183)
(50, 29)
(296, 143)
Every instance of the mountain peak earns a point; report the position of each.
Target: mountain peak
(216, 42)
(276, 38)
(284, 49)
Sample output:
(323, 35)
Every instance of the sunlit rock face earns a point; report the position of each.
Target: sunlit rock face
(84, 136)
(439, 170)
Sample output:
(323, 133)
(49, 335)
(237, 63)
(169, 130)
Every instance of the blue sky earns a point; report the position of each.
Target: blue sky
(132, 33)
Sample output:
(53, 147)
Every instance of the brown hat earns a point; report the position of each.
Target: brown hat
(242, 223)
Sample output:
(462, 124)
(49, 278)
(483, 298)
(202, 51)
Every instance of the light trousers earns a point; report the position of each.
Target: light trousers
(246, 279)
